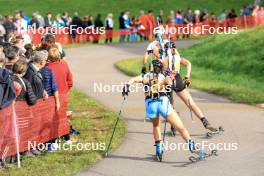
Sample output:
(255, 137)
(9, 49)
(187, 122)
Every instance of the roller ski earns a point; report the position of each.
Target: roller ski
(213, 132)
(202, 155)
(159, 151)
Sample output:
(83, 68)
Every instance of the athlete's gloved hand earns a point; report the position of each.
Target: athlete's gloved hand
(125, 90)
(187, 81)
(143, 70)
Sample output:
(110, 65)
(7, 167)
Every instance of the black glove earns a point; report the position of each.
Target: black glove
(125, 90)
(143, 70)
(187, 81)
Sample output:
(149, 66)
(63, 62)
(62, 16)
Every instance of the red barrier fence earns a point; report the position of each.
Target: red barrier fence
(242, 22)
(35, 124)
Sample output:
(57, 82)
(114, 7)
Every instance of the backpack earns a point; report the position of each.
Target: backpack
(7, 89)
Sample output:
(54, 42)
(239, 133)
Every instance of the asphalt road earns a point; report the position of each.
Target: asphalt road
(243, 124)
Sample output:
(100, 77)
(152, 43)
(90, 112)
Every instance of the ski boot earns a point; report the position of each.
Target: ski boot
(212, 130)
(159, 151)
(200, 153)
(173, 131)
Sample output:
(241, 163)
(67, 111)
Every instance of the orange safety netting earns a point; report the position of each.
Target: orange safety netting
(35, 124)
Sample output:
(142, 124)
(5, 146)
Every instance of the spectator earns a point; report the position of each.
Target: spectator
(62, 75)
(66, 18)
(2, 29)
(29, 51)
(9, 27)
(2, 56)
(75, 24)
(204, 15)
(231, 14)
(40, 19)
(222, 16)
(171, 18)
(109, 25)
(24, 16)
(48, 20)
(189, 17)
(50, 85)
(21, 24)
(59, 22)
(122, 27)
(33, 75)
(12, 54)
(143, 20)
(179, 17)
(134, 26)
(23, 88)
(245, 11)
(196, 16)
(90, 21)
(151, 22)
(34, 21)
(60, 70)
(48, 41)
(97, 25)
(127, 24)
(160, 17)
(18, 41)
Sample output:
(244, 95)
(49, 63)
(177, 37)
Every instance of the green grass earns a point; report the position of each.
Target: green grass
(95, 124)
(229, 65)
(92, 7)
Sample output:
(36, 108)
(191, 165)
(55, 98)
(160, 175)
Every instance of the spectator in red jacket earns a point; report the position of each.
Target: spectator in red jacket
(60, 70)
(63, 77)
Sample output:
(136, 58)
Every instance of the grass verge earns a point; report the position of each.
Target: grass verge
(95, 124)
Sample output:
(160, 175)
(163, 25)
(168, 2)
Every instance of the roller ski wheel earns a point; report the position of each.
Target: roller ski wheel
(210, 134)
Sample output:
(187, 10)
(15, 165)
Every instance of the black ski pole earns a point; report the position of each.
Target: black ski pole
(190, 108)
(117, 120)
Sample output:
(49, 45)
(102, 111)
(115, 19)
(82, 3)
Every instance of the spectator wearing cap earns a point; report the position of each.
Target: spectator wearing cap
(34, 76)
(12, 54)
